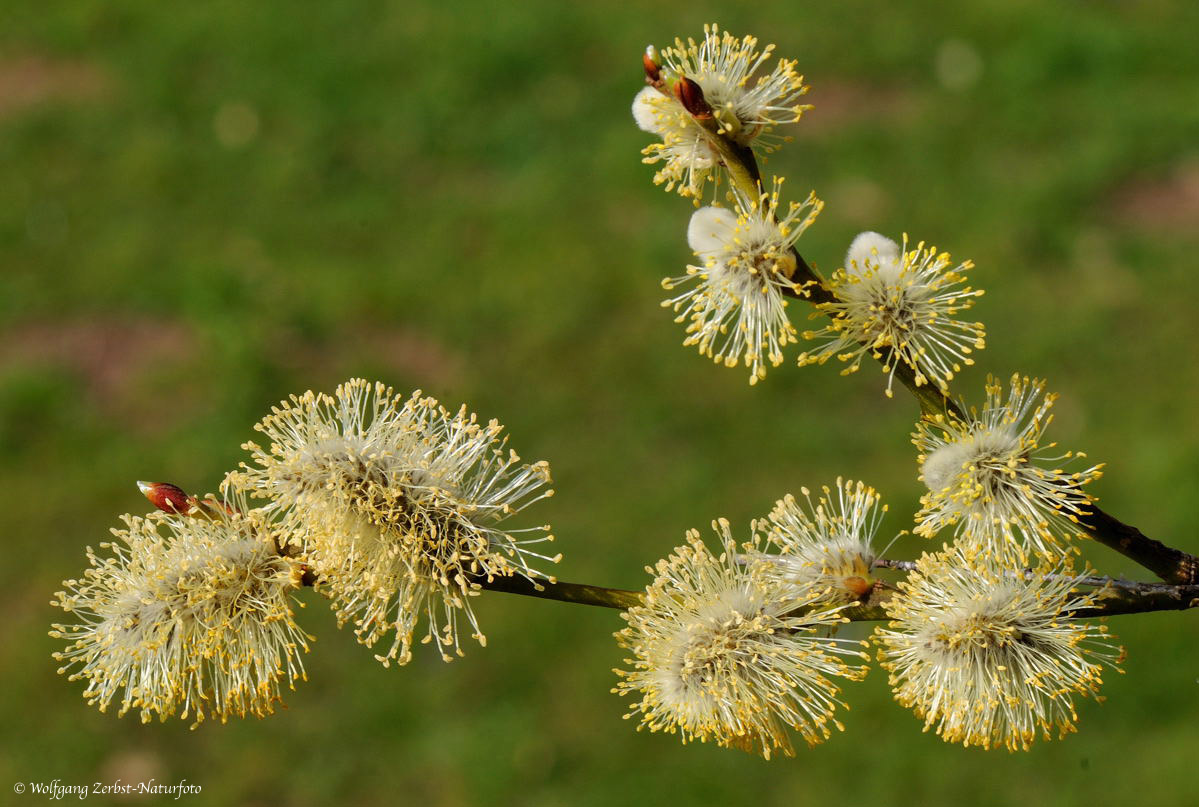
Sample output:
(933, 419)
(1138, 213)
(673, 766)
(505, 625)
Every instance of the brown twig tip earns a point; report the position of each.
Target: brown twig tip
(691, 96)
(166, 497)
(653, 68)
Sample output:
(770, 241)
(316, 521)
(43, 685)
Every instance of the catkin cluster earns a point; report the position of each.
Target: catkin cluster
(397, 510)
(392, 507)
(980, 643)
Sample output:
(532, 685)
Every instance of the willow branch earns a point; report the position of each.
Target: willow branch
(1139, 598)
(579, 593)
(564, 592)
(1116, 599)
(1171, 565)
(1113, 597)
(1085, 580)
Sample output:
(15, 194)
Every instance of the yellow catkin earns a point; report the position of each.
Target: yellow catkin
(983, 653)
(397, 505)
(720, 654)
(187, 615)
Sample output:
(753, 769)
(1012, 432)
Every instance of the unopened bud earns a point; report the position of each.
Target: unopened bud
(691, 96)
(173, 499)
(166, 497)
(653, 67)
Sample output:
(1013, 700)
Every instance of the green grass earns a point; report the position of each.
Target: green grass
(450, 197)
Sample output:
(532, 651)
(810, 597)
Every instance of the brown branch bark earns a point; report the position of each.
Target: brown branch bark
(1114, 597)
(564, 592)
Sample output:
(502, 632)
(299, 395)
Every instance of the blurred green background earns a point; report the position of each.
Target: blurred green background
(205, 207)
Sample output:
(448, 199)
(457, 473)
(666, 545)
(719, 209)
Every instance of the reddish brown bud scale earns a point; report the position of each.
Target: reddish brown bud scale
(653, 72)
(691, 96)
(166, 497)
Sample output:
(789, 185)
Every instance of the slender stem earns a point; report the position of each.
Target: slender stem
(580, 593)
(1114, 596)
(564, 592)
(1144, 597)
(1171, 565)
(1084, 580)
(1139, 598)
(737, 159)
